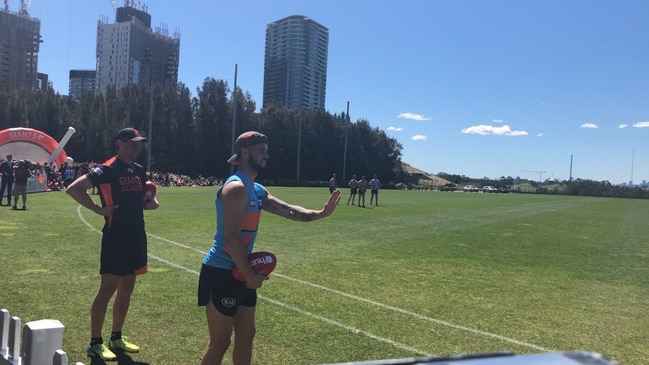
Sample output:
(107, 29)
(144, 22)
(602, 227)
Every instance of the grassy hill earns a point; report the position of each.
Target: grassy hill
(424, 177)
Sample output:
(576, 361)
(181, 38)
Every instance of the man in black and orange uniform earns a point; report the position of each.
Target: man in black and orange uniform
(123, 246)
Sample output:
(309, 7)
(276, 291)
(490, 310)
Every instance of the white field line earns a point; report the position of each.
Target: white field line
(351, 296)
(348, 328)
(416, 315)
(273, 301)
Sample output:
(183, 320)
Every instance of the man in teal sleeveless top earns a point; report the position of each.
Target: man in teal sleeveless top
(230, 304)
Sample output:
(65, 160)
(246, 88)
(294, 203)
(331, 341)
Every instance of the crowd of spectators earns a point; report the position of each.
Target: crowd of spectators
(169, 179)
(58, 178)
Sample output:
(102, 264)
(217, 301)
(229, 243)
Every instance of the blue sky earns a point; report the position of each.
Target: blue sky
(482, 88)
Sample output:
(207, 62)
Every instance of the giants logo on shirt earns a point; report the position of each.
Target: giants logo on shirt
(130, 183)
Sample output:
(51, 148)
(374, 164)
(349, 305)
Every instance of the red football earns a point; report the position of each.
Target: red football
(149, 190)
(262, 262)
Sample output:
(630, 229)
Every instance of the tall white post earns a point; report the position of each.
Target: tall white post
(62, 144)
(14, 340)
(4, 332)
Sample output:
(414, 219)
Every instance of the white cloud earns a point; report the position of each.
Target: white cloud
(419, 137)
(623, 125)
(540, 135)
(498, 121)
(395, 129)
(413, 116)
(488, 129)
(641, 125)
(589, 125)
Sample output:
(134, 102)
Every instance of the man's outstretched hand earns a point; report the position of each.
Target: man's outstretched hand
(331, 204)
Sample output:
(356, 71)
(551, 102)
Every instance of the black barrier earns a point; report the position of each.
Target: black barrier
(500, 358)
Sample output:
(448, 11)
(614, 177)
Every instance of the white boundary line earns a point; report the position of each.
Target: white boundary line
(348, 328)
(417, 315)
(351, 296)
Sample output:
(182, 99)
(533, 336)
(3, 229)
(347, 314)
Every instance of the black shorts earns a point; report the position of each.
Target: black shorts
(123, 251)
(227, 294)
(354, 190)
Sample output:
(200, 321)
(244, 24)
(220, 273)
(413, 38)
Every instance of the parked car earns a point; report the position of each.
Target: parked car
(447, 187)
(489, 189)
(471, 188)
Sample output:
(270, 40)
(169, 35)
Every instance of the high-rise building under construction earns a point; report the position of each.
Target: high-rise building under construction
(130, 52)
(20, 39)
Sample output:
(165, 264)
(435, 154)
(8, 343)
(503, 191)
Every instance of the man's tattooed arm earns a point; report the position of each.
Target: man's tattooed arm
(293, 212)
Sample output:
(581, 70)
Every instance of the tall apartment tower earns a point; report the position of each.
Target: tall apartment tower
(20, 38)
(43, 82)
(82, 82)
(295, 65)
(130, 52)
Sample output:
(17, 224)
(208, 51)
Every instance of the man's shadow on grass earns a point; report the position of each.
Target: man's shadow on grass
(122, 359)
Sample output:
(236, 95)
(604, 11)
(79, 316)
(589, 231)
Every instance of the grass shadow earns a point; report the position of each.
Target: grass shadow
(122, 359)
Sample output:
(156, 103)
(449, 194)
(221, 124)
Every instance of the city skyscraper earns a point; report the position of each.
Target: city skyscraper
(43, 81)
(20, 39)
(82, 82)
(295, 64)
(130, 52)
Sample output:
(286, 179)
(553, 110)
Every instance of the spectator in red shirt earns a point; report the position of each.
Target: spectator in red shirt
(21, 175)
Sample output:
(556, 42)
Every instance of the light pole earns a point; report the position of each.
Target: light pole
(234, 116)
(299, 143)
(346, 137)
(149, 59)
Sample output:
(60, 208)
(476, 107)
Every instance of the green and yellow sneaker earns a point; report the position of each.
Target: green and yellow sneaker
(100, 351)
(124, 345)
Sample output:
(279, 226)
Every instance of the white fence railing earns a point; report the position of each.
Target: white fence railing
(41, 342)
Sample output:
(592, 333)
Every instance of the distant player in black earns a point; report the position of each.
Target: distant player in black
(332, 184)
(123, 246)
(7, 171)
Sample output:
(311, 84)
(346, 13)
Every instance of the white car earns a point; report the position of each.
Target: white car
(471, 188)
(489, 189)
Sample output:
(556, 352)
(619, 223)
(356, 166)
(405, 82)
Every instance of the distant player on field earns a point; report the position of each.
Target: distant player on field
(375, 184)
(362, 188)
(332, 183)
(353, 189)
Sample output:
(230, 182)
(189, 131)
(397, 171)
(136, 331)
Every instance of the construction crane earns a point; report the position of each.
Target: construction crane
(6, 5)
(114, 4)
(538, 172)
(24, 6)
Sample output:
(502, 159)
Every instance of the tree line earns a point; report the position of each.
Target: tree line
(192, 135)
(580, 187)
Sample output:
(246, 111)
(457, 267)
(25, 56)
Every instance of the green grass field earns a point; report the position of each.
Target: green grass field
(424, 273)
